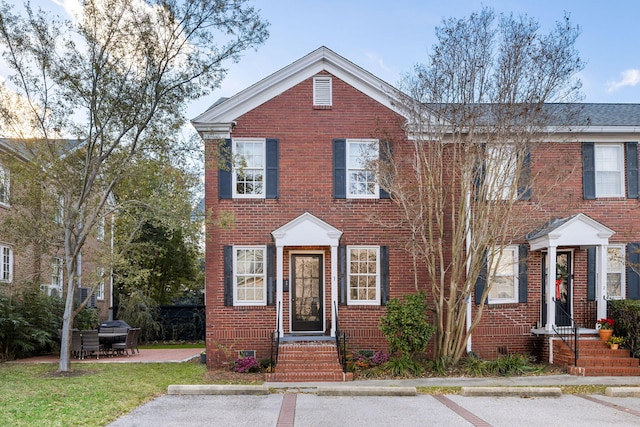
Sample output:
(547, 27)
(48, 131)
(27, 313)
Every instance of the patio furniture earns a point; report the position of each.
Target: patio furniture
(131, 343)
(91, 343)
(76, 344)
(110, 336)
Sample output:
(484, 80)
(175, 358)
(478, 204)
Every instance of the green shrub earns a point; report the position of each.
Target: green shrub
(509, 365)
(405, 325)
(403, 366)
(141, 311)
(626, 315)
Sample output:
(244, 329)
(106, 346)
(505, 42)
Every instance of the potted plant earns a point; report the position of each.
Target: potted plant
(614, 342)
(605, 327)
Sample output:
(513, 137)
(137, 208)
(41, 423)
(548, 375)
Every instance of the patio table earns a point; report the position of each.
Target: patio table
(108, 338)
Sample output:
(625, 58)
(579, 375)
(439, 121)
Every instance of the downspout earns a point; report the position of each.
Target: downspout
(468, 267)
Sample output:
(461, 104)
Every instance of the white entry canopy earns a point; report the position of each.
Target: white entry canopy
(576, 230)
(307, 230)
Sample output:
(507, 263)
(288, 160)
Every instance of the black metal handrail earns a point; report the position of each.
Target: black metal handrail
(574, 327)
(341, 344)
(275, 340)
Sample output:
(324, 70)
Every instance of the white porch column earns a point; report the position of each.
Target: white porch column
(279, 287)
(601, 281)
(334, 288)
(551, 288)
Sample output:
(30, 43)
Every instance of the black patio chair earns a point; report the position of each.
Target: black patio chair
(91, 343)
(131, 343)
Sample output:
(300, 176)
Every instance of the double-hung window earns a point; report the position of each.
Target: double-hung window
(363, 275)
(503, 275)
(609, 170)
(4, 185)
(361, 180)
(615, 272)
(249, 167)
(500, 172)
(250, 278)
(6, 264)
(57, 273)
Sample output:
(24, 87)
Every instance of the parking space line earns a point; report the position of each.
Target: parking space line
(610, 405)
(469, 416)
(287, 410)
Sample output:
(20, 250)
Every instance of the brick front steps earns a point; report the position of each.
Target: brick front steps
(595, 358)
(308, 361)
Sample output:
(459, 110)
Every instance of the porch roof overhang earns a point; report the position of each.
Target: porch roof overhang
(576, 230)
(307, 230)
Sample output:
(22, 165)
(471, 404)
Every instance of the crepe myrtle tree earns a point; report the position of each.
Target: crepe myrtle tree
(475, 110)
(107, 86)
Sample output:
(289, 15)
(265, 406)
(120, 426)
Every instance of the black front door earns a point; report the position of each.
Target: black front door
(306, 293)
(562, 289)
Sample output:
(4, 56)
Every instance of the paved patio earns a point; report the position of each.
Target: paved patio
(146, 356)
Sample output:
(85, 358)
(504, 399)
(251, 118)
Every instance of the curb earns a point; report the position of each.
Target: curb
(512, 391)
(216, 389)
(622, 391)
(366, 391)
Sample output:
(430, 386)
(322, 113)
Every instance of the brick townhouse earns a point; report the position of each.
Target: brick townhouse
(291, 247)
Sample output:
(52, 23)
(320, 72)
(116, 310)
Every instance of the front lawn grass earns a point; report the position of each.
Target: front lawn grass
(92, 395)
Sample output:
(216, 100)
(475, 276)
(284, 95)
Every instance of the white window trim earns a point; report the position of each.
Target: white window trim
(5, 176)
(100, 289)
(501, 169)
(58, 263)
(234, 150)
(621, 169)
(516, 272)
(322, 97)
(375, 301)
(623, 273)
(376, 191)
(236, 301)
(3, 250)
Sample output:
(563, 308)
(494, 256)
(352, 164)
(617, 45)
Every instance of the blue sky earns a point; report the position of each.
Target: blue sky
(388, 38)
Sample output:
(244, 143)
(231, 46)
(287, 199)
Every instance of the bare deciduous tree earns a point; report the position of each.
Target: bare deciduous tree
(476, 111)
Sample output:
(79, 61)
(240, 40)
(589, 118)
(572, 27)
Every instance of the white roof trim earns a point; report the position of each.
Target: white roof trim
(307, 230)
(578, 230)
(322, 59)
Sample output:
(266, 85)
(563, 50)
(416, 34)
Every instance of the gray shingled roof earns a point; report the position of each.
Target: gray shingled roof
(591, 114)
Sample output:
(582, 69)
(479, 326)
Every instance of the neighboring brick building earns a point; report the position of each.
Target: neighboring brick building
(23, 265)
(291, 245)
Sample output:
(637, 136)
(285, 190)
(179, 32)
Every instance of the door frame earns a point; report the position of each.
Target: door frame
(322, 293)
(570, 284)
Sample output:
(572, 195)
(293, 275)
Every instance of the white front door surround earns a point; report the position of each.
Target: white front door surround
(577, 230)
(306, 230)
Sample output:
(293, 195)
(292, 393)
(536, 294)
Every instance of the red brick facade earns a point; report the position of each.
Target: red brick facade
(305, 137)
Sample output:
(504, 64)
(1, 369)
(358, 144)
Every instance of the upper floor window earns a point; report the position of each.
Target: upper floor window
(250, 278)
(57, 272)
(363, 275)
(249, 167)
(4, 185)
(6, 264)
(609, 170)
(100, 229)
(361, 180)
(500, 172)
(615, 272)
(322, 91)
(99, 292)
(503, 276)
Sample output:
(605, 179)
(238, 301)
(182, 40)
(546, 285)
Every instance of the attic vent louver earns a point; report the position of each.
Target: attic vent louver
(322, 91)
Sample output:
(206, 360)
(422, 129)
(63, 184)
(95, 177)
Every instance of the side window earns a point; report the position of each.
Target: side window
(609, 170)
(57, 273)
(250, 275)
(363, 275)
(503, 276)
(249, 167)
(6, 264)
(616, 272)
(361, 181)
(4, 185)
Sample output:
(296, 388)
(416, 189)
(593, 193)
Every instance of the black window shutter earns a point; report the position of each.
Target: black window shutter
(632, 169)
(228, 276)
(479, 171)
(633, 279)
(271, 278)
(591, 274)
(385, 157)
(225, 190)
(523, 273)
(384, 275)
(340, 168)
(481, 281)
(524, 181)
(342, 275)
(272, 169)
(588, 171)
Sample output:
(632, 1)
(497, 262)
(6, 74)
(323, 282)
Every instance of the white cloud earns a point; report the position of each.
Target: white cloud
(628, 78)
(72, 7)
